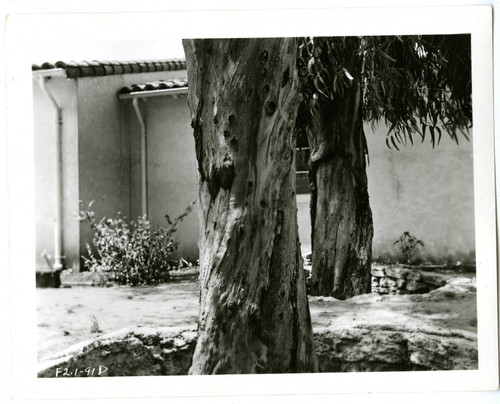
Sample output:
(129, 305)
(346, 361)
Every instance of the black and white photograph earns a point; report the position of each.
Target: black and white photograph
(308, 206)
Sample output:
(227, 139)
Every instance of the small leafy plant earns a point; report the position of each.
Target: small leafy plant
(407, 245)
(131, 253)
(94, 327)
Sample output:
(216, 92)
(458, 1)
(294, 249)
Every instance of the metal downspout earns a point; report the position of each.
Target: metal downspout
(144, 173)
(58, 228)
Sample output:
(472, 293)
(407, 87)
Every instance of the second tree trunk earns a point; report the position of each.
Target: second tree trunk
(341, 218)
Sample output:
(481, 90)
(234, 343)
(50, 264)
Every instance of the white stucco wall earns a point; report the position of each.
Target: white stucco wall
(428, 192)
(172, 183)
(304, 223)
(105, 148)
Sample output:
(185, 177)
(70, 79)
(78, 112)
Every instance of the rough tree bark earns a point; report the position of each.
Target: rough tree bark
(342, 227)
(254, 315)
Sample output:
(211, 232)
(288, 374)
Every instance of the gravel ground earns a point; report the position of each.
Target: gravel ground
(69, 315)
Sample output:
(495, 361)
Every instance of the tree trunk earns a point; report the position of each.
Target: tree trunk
(254, 315)
(342, 228)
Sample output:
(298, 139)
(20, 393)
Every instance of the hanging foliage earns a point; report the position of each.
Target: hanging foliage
(416, 85)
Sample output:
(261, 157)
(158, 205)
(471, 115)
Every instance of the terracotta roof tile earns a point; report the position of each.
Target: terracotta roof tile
(108, 69)
(99, 69)
(127, 68)
(86, 69)
(158, 65)
(72, 69)
(151, 66)
(154, 85)
(164, 85)
(136, 68)
(117, 67)
(105, 68)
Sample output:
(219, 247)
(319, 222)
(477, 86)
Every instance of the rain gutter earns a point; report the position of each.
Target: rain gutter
(42, 77)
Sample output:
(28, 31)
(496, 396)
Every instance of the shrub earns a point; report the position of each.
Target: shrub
(131, 253)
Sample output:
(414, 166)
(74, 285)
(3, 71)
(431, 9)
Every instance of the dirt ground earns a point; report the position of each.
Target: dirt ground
(69, 315)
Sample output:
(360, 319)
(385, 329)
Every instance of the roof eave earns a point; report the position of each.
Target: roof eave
(154, 93)
(49, 73)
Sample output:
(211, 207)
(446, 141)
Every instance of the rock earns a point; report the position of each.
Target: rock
(417, 287)
(370, 349)
(413, 276)
(353, 350)
(462, 281)
(415, 284)
(378, 272)
(397, 277)
(387, 283)
(383, 290)
(131, 352)
(434, 281)
(397, 272)
(446, 353)
(453, 289)
(184, 274)
(322, 299)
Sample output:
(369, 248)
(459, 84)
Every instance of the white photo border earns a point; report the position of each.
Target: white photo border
(30, 34)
